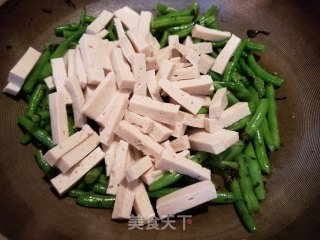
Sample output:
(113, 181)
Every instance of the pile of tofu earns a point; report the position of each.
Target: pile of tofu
(122, 85)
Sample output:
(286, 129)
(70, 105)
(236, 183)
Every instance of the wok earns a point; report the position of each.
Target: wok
(29, 210)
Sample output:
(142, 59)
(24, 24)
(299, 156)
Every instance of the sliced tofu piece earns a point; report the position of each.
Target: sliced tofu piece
(184, 153)
(142, 142)
(218, 103)
(152, 175)
(178, 129)
(104, 56)
(88, 91)
(94, 106)
(152, 63)
(54, 154)
(203, 47)
(206, 99)
(119, 28)
(126, 48)
(11, 89)
(139, 42)
(50, 83)
(103, 33)
(193, 57)
(182, 49)
(209, 34)
(188, 41)
(205, 63)
(184, 99)
(165, 70)
(71, 63)
(64, 181)
(23, 67)
(74, 155)
(186, 198)
(118, 167)
(138, 168)
(142, 205)
(163, 54)
(58, 117)
(180, 144)
(201, 86)
(171, 162)
(153, 86)
(185, 73)
(172, 39)
(213, 124)
(153, 43)
(158, 111)
(192, 120)
(160, 132)
(144, 23)
(79, 68)
(138, 65)
(182, 65)
(215, 142)
(226, 54)
(167, 146)
(110, 156)
(144, 124)
(74, 89)
(99, 23)
(129, 17)
(235, 113)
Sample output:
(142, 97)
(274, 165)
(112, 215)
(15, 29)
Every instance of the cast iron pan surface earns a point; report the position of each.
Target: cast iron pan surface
(29, 208)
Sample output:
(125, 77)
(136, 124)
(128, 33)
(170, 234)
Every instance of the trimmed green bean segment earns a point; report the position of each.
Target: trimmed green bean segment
(49, 171)
(75, 193)
(242, 123)
(93, 174)
(26, 138)
(234, 151)
(162, 192)
(272, 116)
(267, 135)
(66, 27)
(36, 98)
(100, 188)
(164, 40)
(96, 200)
(170, 21)
(261, 153)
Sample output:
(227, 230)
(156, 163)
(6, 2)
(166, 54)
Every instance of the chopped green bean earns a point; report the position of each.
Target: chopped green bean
(272, 116)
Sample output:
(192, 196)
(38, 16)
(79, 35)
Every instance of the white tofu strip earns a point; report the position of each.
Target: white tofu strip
(225, 55)
(209, 34)
(55, 153)
(184, 153)
(142, 205)
(138, 65)
(64, 181)
(129, 17)
(118, 167)
(205, 63)
(180, 144)
(99, 23)
(160, 132)
(71, 63)
(153, 86)
(79, 68)
(50, 83)
(104, 55)
(193, 57)
(89, 91)
(142, 142)
(144, 124)
(110, 155)
(23, 67)
(94, 106)
(124, 200)
(192, 120)
(213, 124)
(65, 60)
(178, 129)
(175, 59)
(90, 52)
(218, 103)
(190, 103)
(215, 142)
(172, 39)
(185, 73)
(125, 78)
(103, 33)
(203, 47)
(165, 70)
(11, 89)
(73, 156)
(235, 113)
(158, 111)
(119, 28)
(74, 88)
(188, 41)
(168, 146)
(59, 75)
(58, 117)
(144, 23)
(182, 49)
(152, 175)
(138, 168)
(186, 198)
(163, 54)
(139, 42)
(140, 87)
(126, 48)
(206, 99)
(153, 43)
(201, 86)
(171, 162)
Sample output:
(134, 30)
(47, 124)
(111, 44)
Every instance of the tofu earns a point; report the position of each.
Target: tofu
(218, 103)
(205, 63)
(213, 124)
(99, 23)
(139, 42)
(119, 28)
(138, 65)
(225, 55)
(142, 205)
(71, 64)
(94, 106)
(192, 120)
(49, 83)
(185, 73)
(144, 124)
(203, 47)
(182, 49)
(58, 117)
(165, 70)
(184, 99)
(138, 168)
(188, 42)
(118, 167)
(74, 89)
(182, 65)
(54, 154)
(23, 67)
(77, 153)
(142, 142)
(88, 91)
(153, 86)
(103, 33)
(171, 162)
(158, 111)
(160, 132)
(185, 198)
(215, 142)
(153, 43)
(79, 68)
(168, 146)
(201, 86)
(64, 181)
(234, 113)
(104, 56)
(152, 175)
(180, 144)
(126, 48)
(129, 17)
(184, 153)
(193, 57)
(110, 156)
(172, 39)
(208, 34)
(144, 23)
(178, 129)
(163, 54)
(140, 87)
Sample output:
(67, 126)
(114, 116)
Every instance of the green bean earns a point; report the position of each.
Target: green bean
(211, 11)
(263, 74)
(26, 138)
(100, 188)
(238, 90)
(214, 55)
(261, 152)
(75, 193)
(112, 36)
(66, 27)
(232, 99)
(251, 46)
(212, 25)
(238, 52)
(254, 172)
(67, 34)
(203, 110)
(179, 28)
(170, 21)
(162, 192)
(96, 200)
(215, 76)
(272, 116)
(234, 151)
(89, 19)
(253, 102)
(71, 129)
(36, 97)
(192, 10)
(93, 174)
(41, 135)
(49, 171)
(237, 78)
(220, 44)
(183, 33)
(223, 198)
(196, 40)
(267, 135)
(242, 123)
(103, 179)
(164, 40)
(164, 9)
(207, 20)
(37, 117)
(228, 72)
(222, 165)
